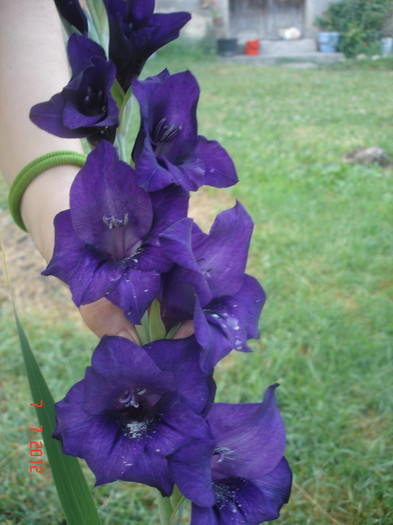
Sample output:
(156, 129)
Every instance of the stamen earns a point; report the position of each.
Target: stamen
(129, 397)
(224, 453)
(112, 222)
(164, 133)
(205, 271)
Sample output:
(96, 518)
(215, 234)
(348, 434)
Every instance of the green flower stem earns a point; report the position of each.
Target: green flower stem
(165, 509)
(178, 503)
(143, 329)
(156, 326)
(172, 331)
(171, 509)
(121, 148)
(124, 131)
(99, 26)
(117, 93)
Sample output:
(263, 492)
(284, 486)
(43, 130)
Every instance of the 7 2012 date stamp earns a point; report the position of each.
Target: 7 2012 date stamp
(36, 448)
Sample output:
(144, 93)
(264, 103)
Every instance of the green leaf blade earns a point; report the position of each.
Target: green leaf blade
(71, 486)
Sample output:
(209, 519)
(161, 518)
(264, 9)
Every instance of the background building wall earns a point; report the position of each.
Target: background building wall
(313, 9)
(251, 13)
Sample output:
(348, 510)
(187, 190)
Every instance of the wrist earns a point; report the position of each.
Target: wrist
(44, 197)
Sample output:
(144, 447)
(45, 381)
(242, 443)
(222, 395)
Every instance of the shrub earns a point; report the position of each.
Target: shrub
(359, 22)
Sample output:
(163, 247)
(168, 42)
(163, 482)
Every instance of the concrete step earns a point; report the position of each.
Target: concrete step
(300, 58)
(288, 47)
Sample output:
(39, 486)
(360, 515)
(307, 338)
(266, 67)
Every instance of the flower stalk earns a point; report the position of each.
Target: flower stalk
(165, 509)
(127, 238)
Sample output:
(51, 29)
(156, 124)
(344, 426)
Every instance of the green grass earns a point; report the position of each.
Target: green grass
(322, 248)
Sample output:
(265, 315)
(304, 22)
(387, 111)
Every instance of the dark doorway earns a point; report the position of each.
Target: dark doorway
(266, 17)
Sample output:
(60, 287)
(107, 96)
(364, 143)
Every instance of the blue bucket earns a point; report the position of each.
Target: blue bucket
(328, 42)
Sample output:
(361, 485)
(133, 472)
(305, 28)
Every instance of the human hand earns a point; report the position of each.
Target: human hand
(105, 318)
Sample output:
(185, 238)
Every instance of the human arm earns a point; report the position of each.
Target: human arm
(34, 67)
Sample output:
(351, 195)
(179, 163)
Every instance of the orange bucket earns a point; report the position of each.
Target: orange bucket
(252, 47)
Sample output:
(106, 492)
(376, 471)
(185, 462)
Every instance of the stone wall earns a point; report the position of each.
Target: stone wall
(253, 21)
(200, 24)
(313, 9)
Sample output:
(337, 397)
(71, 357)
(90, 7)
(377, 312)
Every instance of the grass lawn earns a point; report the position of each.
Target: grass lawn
(322, 248)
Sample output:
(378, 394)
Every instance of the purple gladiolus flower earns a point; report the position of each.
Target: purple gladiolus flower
(85, 107)
(128, 415)
(136, 33)
(72, 12)
(241, 476)
(106, 244)
(168, 148)
(208, 283)
(227, 322)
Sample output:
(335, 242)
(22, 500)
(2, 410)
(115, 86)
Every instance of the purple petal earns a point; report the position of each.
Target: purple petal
(223, 253)
(67, 251)
(254, 433)
(71, 11)
(181, 357)
(145, 90)
(120, 214)
(126, 457)
(214, 341)
(141, 11)
(131, 464)
(220, 170)
(168, 27)
(209, 266)
(189, 172)
(176, 241)
(242, 502)
(49, 117)
(205, 516)
(72, 422)
(135, 34)
(238, 502)
(173, 107)
(181, 425)
(276, 487)
(80, 51)
(190, 468)
(151, 259)
(169, 206)
(85, 107)
(93, 278)
(127, 407)
(163, 151)
(74, 120)
(253, 297)
(177, 297)
(151, 175)
(135, 292)
(227, 322)
(117, 364)
(169, 132)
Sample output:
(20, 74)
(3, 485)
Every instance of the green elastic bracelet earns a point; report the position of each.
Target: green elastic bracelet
(32, 170)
